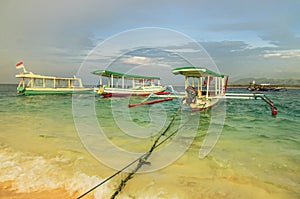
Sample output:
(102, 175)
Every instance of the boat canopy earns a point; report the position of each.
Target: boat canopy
(191, 71)
(108, 73)
(31, 75)
(30, 80)
(207, 82)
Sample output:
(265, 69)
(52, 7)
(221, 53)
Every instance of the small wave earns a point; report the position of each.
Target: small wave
(264, 136)
(229, 127)
(29, 173)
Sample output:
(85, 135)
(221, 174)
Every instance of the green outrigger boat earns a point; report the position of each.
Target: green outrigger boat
(124, 84)
(33, 84)
(203, 89)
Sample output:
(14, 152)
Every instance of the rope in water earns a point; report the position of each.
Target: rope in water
(142, 160)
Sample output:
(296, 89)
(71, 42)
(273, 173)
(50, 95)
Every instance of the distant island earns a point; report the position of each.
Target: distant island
(288, 83)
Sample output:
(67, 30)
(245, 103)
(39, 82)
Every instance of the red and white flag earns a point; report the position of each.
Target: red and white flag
(19, 65)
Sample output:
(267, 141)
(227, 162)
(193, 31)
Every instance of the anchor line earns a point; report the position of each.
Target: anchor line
(141, 161)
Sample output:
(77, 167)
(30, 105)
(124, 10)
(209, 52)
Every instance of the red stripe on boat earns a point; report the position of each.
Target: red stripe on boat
(150, 102)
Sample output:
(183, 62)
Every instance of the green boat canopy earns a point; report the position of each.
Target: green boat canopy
(191, 71)
(108, 73)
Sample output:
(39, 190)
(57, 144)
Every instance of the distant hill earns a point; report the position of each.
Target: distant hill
(281, 82)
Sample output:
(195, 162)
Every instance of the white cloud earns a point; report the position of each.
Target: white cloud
(285, 54)
(59, 34)
(185, 50)
(137, 60)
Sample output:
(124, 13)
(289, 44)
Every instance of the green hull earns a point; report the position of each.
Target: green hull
(56, 92)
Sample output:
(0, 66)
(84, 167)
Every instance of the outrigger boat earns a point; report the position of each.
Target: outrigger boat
(203, 89)
(33, 84)
(264, 87)
(121, 84)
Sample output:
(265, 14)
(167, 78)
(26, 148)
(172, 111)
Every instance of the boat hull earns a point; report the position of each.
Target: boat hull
(58, 91)
(205, 104)
(118, 92)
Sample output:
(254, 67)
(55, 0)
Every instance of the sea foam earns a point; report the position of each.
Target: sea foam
(33, 173)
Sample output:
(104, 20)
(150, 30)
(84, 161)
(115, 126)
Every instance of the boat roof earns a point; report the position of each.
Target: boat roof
(108, 73)
(35, 76)
(192, 71)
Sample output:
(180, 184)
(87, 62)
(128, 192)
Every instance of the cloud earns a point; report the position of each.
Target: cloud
(236, 59)
(285, 54)
(56, 36)
(137, 60)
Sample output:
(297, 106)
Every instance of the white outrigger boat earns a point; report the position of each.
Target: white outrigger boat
(122, 84)
(203, 89)
(33, 84)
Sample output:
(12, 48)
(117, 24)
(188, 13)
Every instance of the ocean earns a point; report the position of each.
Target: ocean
(62, 146)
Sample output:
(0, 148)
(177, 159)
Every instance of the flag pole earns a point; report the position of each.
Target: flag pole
(21, 65)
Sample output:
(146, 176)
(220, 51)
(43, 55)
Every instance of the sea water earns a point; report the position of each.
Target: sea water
(43, 153)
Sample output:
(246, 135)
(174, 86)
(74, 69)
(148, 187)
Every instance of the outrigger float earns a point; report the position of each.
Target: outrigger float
(203, 89)
(33, 84)
(116, 84)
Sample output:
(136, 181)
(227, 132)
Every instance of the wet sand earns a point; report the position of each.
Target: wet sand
(8, 192)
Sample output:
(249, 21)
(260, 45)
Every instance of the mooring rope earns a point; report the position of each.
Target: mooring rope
(144, 158)
(141, 161)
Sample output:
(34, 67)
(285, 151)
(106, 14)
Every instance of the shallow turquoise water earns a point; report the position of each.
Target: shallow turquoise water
(256, 156)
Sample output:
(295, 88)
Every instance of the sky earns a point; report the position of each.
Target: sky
(258, 38)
